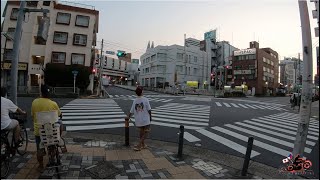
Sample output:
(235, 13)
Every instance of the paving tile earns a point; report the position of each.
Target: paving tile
(162, 175)
(219, 175)
(123, 155)
(224, 170)
(146, 175)
(188, 175)
(131, 170)
(132, 166)
(111, 155)
(98, 151)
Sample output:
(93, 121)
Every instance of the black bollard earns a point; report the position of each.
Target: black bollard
(181, 133)
(126, 132)
(247, 157)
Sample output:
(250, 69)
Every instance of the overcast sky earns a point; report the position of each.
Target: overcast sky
(129, 25)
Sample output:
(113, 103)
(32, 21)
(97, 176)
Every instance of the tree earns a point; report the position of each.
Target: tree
(60, 75)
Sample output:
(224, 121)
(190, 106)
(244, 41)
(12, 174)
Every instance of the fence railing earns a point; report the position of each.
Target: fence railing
(53, 90)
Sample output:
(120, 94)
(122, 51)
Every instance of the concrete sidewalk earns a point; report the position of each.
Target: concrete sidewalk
(103, 156)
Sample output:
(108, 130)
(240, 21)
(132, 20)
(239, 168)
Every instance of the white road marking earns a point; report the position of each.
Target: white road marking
(235, 146)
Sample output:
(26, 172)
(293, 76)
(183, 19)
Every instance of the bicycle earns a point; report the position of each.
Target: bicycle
(8, 149)
(50, 138)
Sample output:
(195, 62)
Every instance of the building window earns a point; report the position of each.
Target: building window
(46, 3)
(14, 14)
(161, 56)
(195, 59)
(272, 63)
(252, 56)
(63, 18)
(32, 3)
(80, 39)
(82, 21)
(60, 37)
(179, 56)
(11, 33)
(58, 57)
(77, 58)
(153, 57)
(8, 54)
(195, 71)
(272, 71)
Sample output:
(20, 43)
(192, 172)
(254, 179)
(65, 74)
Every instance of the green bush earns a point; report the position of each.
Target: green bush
(60, 75)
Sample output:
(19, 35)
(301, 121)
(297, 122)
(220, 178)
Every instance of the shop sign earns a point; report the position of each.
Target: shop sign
(235, 72)
(135, 61)
(21, 66)
(245, 52)
(192, 83)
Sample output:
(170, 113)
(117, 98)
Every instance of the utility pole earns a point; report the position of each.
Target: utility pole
(100, 70)
(306, 95)
(299, 68)
(16, 50)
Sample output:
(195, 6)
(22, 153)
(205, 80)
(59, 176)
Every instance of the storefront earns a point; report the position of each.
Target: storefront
(22, 75)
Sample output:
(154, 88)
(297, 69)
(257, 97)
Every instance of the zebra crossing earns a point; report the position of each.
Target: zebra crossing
(134, 96)
(174, 114)
(92, 114)
(273, 133)
(150, 99)
(249, 106)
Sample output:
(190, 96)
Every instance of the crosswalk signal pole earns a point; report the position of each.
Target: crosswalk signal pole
(306, 95)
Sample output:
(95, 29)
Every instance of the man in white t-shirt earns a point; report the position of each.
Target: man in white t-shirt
(6, 122)
(142, 114)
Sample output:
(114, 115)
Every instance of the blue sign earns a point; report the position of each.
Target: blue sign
(210, 35)
(75, 73)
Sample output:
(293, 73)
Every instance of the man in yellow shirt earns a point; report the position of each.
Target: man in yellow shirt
(39, 105)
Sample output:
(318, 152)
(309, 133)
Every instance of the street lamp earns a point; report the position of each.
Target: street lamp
(267, 87)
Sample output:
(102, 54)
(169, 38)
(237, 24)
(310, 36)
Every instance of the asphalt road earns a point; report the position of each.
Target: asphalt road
(218, 124)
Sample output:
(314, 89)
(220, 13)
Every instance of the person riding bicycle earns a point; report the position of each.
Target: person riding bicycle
(43, 104)
(6, 122)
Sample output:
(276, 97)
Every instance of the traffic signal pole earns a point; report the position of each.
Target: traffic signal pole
(16, 48)
(306, 95)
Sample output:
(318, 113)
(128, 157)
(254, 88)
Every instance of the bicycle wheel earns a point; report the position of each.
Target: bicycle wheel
(4, 161)
(24, 145)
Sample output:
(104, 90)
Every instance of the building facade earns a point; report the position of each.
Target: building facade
(71, 36)
(172, 65)
(256, 67)
(291, 71)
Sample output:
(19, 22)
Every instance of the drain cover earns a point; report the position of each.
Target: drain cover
(103, 170)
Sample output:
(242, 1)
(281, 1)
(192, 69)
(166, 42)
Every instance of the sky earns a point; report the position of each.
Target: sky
(129, 25)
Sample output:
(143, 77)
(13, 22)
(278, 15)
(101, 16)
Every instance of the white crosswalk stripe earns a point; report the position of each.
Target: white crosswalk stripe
(273, 133)
(90, 114)
(249, 106)
(176, 114)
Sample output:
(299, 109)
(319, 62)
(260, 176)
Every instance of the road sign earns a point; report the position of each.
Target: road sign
(75, 73)
(110, 52)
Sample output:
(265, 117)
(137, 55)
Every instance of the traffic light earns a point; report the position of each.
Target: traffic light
(94, 70)
(43, 28)
(121, 54)
(97, 61)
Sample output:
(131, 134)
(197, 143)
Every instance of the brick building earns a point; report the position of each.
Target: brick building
(257, 68)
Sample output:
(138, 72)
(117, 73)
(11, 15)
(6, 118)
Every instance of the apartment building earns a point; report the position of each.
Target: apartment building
(71, 37)
(290, 70)
(175, 64)
(256, 67)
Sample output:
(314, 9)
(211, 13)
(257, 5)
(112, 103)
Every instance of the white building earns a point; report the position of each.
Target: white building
(71, 36)
(290, 70)
(116, 70)
(173, 65)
